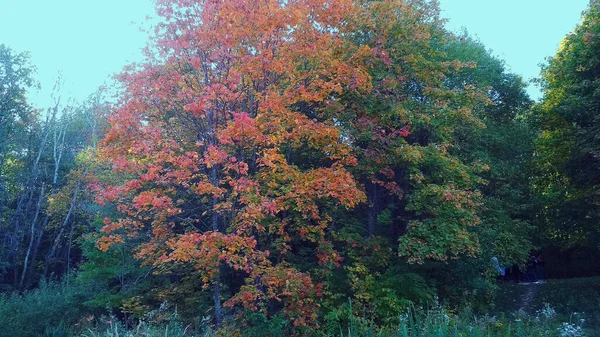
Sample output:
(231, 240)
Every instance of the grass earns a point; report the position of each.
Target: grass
(569, 297)
(430, 323)
(440, 323)
(520, 310)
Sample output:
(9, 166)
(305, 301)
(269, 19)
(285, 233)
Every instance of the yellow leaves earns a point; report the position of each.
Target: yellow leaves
(410, 153)
(134, 306)
(273, 159)
(105, 242)
(206, 188)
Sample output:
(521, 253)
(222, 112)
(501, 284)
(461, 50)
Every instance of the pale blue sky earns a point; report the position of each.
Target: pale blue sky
(522, 32)
(90, 40)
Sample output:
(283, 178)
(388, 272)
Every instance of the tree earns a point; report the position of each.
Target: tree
(18, 120)
(16, 117)
(505, 145)
(15, 112)
(209, 140)
(35, 156)
(567, 148)
(404, 133)
(423, 198)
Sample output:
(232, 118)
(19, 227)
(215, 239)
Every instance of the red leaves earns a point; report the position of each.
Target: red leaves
(211, 122)
(214, 156)
(206, 188)
(242, 131)
(147, 199)
(295, 290)
(209, 250)
(327, 256)
(405, 131)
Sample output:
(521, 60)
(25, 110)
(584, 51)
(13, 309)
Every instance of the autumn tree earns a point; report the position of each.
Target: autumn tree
(209, 140)
(423, 199)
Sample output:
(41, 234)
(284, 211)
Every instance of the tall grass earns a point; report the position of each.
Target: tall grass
(51, 306)
(56, 310)
(116, 329)
(436, 322)
(440, 322)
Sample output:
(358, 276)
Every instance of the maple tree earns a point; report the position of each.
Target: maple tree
(239, 140)
(208, 137)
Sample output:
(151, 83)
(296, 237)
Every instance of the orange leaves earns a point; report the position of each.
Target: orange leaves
(242, 131)
(206, 188)
(272, 159)
(239, 167)
(105, 242)
(240, 93)
(209, 250)
(151, 199)
(405, 131)
(295, 290)
(334, 182)
(214, 156)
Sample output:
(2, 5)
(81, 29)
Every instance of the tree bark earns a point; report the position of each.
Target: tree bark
(373, 203)
(65, 222)
(217, 281)
(31, 238)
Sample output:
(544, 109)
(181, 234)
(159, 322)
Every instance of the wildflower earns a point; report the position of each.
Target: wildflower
(546, 312)
(570, 330)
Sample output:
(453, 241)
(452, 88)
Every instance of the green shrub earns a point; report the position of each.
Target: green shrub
(45, 311)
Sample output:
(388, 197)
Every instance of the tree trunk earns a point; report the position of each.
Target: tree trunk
(373, 202)
(36, 248)
(217, 280)
(65, 222)
(31, 238)
(15, 238)
(70, 244)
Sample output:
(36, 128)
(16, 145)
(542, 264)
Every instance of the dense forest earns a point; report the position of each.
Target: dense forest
(302, 168)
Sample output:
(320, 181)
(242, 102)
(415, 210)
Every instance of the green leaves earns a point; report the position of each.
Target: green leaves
(568, 181)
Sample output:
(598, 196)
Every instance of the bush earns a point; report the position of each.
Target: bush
(42, 311)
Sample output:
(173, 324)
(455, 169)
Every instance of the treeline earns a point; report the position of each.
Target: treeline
(280, 167)
(42, 208)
